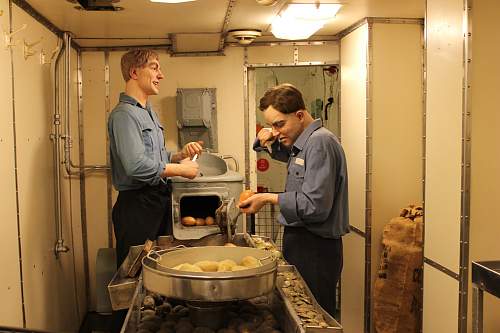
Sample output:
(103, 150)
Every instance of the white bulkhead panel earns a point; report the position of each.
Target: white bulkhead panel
(11, 308)
(445, 71)
(354, 52)
(485, 175)
(48, 283)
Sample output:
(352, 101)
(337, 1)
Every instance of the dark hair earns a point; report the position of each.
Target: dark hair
(285, 98)
(136, 59)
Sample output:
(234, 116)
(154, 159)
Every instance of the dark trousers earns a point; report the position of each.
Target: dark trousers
(139, 215)
(319, 260)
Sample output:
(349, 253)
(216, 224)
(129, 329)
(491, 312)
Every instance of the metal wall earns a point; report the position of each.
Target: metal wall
(397, 113)
(485, 176)
(353, 108)
(39, 291)
(445, 191)
(11, 307)
(381, 112)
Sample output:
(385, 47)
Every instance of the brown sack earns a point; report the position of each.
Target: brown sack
(397, 292)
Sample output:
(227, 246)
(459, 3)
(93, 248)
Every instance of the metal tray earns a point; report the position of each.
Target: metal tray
(279, 308)
(121, 287)
(160, 277)
(333, 325)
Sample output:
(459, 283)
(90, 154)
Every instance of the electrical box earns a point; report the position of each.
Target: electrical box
(196, 116)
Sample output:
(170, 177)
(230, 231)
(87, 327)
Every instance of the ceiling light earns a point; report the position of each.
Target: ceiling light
(290, 28)
(300, 21)
(171, 1)
(313, 12)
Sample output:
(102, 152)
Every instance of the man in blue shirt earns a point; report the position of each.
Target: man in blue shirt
(314, 205)
(140, 164)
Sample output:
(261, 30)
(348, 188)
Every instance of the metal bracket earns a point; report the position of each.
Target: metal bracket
(53, 54)
(8, 36)
(28, 48)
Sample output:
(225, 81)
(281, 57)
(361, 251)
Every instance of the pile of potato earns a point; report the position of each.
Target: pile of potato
(190, 221)
(158, 315)
(227, 265)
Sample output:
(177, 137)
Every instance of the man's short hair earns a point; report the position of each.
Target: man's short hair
(136, 59)
(285, 98)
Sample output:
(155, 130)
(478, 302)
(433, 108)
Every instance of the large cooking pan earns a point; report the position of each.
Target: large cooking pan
(159, 277)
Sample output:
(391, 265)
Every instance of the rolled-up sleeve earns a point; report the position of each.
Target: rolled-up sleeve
(127, 134)
(309, 194)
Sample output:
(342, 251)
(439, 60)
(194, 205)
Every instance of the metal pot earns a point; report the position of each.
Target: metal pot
(159, 277)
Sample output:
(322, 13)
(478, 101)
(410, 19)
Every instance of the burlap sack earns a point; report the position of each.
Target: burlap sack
(397, 292)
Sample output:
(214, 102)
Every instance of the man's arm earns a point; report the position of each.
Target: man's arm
(186, 168)
(278, 152)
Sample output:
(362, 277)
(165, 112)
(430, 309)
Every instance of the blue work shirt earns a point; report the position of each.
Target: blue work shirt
(136, 144)
(316, 195)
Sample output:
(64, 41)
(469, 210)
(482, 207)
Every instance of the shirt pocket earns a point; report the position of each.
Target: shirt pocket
(147, 139)
(295, 177)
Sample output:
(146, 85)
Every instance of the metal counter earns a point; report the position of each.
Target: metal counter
(485, 277)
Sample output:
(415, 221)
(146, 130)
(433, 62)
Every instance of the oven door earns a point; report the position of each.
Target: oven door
(200, 204)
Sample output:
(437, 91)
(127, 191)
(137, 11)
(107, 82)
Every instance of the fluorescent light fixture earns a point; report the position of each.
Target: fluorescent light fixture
(290, 28)
(171, 1)
(300, 21)
(313, 12)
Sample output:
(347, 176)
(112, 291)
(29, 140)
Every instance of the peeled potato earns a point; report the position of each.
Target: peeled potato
(200, 221)
(239, 268)
(209, 220)
(207, 265)
(250, 262)
(226, 265)
(188, 268)
(229, 245)
(245, 195)
(188, 221)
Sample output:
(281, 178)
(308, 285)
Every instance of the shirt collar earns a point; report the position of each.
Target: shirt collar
(124, 98)
(302, 139)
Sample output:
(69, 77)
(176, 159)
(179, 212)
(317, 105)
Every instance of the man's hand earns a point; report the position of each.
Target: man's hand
(254, 203)
(188, 168)
(191, 149)
(265, 137)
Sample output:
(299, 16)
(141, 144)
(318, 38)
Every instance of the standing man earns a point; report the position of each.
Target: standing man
(314, 206)
(140, 164)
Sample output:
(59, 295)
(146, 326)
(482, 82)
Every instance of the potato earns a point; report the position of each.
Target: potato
(188, 221)
(207, 265)
(188, 268)
(229, 245)
(245, 195)
(200, 221)
(226, 265)
(209, 220)
(250, 262)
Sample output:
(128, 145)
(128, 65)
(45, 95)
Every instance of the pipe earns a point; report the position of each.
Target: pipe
(56, 138)
(68, 141)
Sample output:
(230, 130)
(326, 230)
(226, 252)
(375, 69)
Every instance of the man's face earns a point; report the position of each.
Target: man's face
(286, 127)
(148, 77)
